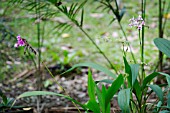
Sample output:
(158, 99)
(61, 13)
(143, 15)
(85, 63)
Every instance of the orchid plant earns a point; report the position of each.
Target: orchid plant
(134, 88)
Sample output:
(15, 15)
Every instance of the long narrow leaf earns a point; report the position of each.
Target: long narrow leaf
(101, 97)
(128, 71)
(148, 79)
(108, 81)
(92, 105)
(91, 86)
(168, 100)
(137, 90)
(82, 17)
(167, 77)
(37, 93)
(92, 65)
(114, 88)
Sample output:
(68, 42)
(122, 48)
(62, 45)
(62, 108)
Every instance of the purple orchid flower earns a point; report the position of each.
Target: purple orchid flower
(23, 42)
(139, 22)
(20, 41)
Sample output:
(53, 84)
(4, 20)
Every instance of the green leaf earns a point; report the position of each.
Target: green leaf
(159, 105)
(163, 45)
(123, 10)
(134, 71)
(148, 79)
(114, 88)
(4, 98)
(167, 77)
(168, 100)
(108, 81)
(164, 111)
(92, 105)
(91, 86)
(128, 71)
(101, 97)
(124, 99)
(158, 91)
(92, 65)
(82, 17)
(137, 90)
(38, 93)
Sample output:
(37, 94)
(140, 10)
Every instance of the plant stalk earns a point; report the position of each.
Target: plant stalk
(142, 42)
(39, 79)
(160, 35)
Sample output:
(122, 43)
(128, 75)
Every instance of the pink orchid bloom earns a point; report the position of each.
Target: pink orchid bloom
(139, 22)
(20, 41)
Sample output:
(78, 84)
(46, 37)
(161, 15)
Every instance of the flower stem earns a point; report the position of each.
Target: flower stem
(39, 79)
(142, 42)
(133, 57)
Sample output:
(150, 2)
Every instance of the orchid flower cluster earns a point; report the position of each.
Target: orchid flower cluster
(138, 22)
(23, 42)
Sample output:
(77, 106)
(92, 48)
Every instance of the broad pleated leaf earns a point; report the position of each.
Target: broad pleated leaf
(158, 91)
(124, 99)
(163, 45)
(134, 71)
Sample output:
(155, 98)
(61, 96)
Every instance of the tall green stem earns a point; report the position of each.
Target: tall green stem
(39, 54)
(160, 34)
(142, 42)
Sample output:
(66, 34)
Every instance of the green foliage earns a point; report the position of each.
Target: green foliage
(148, 79)
(104, 96)
(163, 45)
(6, 103)
(92, 103)
(158, 91)
(41, 93)
(4, 98)
(135, 86)
(119, 13)
(124, 100)
(93, 65)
